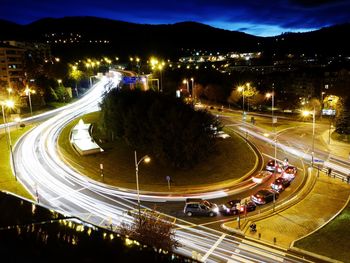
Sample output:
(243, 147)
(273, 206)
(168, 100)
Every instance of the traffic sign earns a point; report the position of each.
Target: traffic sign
(318, 161)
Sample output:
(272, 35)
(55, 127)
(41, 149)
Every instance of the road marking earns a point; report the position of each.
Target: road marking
(238, 259)
(260, 252)
(204, 258)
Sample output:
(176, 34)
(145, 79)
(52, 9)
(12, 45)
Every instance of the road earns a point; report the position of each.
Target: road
(40, 169)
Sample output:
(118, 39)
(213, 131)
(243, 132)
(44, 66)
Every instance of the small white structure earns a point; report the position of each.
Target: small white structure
(82, 141)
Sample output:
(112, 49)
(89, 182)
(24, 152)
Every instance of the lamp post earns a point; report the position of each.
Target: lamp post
(307, 113)
(272, 96)
(160, 67)
(185, 81)
(241, 89)
(9, 104)
(193, 93)
(28, 91)
(9, 90)
(147, 159)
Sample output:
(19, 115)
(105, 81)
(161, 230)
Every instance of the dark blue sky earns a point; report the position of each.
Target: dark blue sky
(257, 17)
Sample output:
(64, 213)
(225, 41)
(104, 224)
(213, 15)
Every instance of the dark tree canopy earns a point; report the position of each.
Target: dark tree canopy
(343, 119)
(161, 125)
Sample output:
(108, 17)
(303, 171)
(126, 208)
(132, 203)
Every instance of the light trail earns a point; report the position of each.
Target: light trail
(59, 187)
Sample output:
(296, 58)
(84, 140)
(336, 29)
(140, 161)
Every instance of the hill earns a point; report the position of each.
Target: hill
(118, 37)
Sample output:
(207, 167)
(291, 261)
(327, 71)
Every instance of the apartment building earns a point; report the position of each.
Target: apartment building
(11, 67)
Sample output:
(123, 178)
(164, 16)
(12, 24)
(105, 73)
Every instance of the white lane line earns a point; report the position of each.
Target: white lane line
(263, 253)
(238, 259)
(263, 247)
(204, 258)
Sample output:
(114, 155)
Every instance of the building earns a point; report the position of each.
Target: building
(11, 67)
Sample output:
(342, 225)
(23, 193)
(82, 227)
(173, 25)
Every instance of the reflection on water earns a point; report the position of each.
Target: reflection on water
(29, 232)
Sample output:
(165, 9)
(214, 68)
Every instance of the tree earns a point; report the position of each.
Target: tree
(214, 93)
(342, 121)
(149, 229)
(164, 126)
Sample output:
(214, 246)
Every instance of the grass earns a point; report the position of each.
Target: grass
(7, 179)
(331, 240)
(232, 160)
(345, 138)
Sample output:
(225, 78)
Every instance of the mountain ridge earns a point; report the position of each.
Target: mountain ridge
(173, 38)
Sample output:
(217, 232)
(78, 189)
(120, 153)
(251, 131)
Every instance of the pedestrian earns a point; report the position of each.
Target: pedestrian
(329, 171)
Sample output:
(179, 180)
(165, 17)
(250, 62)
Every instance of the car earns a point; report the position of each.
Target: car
(235, 207)
(222, 135)
(280, 184)
(200, 208)
(289, 172)
(264, 196)
(270, 166)
(261, 176)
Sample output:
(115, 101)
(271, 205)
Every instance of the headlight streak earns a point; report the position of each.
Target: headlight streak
(60, 187)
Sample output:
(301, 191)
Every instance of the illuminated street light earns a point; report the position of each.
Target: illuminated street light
(9, 90)
(307, 113)
(28, 91)
(241, 89)
(9, 104)
(273, 121)
(160, 68)
(193, 93)
(147, 159)
(185, 81)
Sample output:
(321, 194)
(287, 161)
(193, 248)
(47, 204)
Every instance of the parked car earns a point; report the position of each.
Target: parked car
(201, 208)
(264, 196)
(261, 176)
(270, 166)
(289, 172)
(280, 184)
(234, 207)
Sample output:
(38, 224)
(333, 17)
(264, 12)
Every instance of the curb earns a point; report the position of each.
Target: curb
(308, 253)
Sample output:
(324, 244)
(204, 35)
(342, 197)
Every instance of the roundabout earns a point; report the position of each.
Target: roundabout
(55, 185)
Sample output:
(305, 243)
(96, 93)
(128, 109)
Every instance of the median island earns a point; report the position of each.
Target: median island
(223, 163)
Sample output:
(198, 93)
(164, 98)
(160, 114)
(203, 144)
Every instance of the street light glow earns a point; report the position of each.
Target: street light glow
(9, 103)
(306, 113)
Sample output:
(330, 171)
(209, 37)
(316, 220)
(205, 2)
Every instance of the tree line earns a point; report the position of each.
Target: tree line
(163, 126)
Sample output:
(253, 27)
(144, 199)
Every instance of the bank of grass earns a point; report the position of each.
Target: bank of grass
(232, 160)
(7, 179)
(332, 240)
(345, 138)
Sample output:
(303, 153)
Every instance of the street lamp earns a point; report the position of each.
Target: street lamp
(28, 91)
(160, 67)
(185, 81)
(272, 96)
(147, 159)
(241, 89)
(307, 113)
(193, 93)
(9, 90)
(9, 104)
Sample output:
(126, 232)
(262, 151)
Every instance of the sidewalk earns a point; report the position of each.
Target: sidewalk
(327, 197)
(336, 148)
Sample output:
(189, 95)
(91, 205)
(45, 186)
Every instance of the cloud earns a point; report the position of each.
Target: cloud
(249, 16)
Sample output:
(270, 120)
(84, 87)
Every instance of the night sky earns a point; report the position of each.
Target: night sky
(257, 17)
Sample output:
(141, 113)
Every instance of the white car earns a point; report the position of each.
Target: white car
(261, 177)
(289, 172)
(270, 166)
(222, 135)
